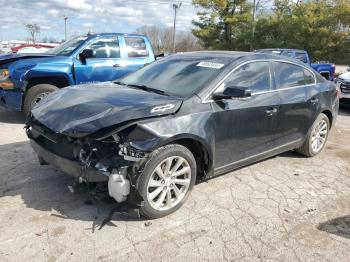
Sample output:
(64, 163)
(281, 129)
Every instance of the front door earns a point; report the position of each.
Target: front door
(104, 66)
(245, 127)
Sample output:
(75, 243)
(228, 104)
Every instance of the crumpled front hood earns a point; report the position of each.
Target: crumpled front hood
(81, 110)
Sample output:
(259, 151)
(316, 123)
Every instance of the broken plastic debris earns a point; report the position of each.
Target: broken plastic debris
(148, 223)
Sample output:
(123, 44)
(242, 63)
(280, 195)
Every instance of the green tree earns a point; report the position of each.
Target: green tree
(319, 26)
(224, 24)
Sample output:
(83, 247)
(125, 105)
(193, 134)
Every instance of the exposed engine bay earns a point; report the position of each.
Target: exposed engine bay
(112, 158)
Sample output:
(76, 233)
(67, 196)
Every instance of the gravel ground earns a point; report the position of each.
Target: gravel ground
(287, 208)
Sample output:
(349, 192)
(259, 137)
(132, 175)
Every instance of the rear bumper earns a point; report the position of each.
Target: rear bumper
(11, 100)
(68, 166)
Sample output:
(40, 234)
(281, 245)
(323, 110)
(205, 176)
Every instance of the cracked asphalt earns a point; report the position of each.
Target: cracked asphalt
(286, 208)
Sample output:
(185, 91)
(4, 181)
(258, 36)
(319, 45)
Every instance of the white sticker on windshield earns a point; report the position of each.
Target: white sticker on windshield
(210, 65)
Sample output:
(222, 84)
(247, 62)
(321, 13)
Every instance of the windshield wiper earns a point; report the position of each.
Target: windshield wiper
(119, 83)
(150, 89)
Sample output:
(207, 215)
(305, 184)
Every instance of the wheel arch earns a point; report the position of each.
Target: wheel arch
(200, 150)
(329, 114)
(57, 80)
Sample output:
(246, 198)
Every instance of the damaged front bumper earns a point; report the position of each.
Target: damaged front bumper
(69, 167)
(109, 159)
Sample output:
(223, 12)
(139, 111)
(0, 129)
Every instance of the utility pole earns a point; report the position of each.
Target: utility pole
(175, 6)
(65, 27)
(253, 24)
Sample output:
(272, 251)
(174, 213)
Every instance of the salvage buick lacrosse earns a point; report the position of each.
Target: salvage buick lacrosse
(152, 134)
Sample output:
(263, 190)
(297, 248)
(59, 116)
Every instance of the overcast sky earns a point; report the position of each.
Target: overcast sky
(84, 15)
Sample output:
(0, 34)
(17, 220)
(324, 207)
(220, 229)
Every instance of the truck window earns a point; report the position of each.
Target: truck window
(288, 53)
(105, 48)
(136, 47)
(301, 56)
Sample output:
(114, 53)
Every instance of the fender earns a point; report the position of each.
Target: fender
(146, 136)
(52, 70)
(60, 75)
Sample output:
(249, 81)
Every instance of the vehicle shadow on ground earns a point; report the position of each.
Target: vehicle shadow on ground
(339, 226)
(46, 189)
(11, 117)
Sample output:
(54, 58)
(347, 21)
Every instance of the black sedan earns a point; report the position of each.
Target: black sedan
(182, 119)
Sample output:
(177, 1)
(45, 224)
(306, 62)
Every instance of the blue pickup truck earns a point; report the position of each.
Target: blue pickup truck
(324, 69)
(26, 78)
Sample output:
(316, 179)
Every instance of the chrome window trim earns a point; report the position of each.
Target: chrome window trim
(207, 97)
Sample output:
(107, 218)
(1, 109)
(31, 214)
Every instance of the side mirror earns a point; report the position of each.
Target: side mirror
(86, 53)
(234, 91)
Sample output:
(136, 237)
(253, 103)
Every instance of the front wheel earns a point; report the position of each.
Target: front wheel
(317, 137)
(35, 94)
(166, 180)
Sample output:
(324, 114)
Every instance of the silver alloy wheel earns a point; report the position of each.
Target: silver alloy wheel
(319, 136)
(38, 98)
(169, 183)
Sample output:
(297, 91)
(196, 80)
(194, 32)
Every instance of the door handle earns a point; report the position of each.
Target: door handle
(271, 111)
(314, 100)
(116, 65)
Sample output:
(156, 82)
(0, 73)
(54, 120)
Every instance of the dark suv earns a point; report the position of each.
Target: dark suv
(183, 118)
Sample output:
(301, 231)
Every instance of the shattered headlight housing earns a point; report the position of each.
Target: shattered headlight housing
(5, 81)
(129, 153)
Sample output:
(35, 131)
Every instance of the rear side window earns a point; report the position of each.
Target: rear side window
(289, 75)
(136, 47)
(309, 77)
(254, 76)
(105, 48)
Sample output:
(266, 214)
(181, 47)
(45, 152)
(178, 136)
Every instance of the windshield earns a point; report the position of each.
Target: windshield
(67, 47)
(180, 76)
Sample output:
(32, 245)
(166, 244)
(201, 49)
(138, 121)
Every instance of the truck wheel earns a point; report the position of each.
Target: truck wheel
(35, 94)
(316, 138)
(166, 180)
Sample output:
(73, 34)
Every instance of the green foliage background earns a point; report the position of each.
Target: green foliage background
(319, 26)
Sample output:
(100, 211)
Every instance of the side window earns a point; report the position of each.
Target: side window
(301, 56)
(288, 75)
(254, 76)
(105, 48)
(309, 77)
(136, 47)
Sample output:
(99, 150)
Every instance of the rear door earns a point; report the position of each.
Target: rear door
(292, 82)
(105, 66)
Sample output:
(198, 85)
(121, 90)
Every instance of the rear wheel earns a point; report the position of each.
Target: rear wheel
(35, 94)
(317, 137)
(166, 180)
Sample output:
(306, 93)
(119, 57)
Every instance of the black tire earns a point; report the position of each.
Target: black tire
(34, 93)
(306, 149)
(155, 159)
